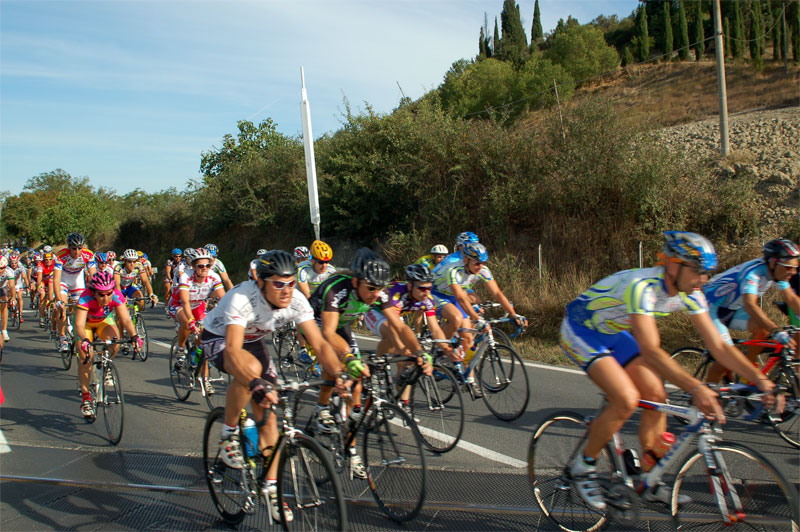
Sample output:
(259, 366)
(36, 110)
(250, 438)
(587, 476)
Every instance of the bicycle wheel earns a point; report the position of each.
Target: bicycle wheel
(14, 318)
(231, 489)
(67, 356)
(394, 461)
(309, 486)
(216, 384)
(504, 382)
(501, 337)
(755, 493)
(180, 374)
(113, 404)
(438, 410)
(696, 363)
(285, 344)
(787, 423)
(552, 448)
(141, 330)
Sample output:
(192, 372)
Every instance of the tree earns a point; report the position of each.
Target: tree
(497, 45)
(487, 42)
(536, 29)
(683, 33)
(793, 22)
(482, 45)
(582, 51)
(699, 34)
(515, 43)
(738, 31)
(643, 39)
(777, 38)
(667, 45)
(76, 211)
(726, 29)
(756, 35)
(627, 57)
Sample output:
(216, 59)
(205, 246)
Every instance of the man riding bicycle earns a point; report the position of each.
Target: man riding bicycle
(131, 277)
(8, 294)
(72, 266)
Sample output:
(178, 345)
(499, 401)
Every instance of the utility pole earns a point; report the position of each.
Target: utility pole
(723, 96)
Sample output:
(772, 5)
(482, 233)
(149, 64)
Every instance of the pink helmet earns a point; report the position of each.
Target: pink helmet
(102, 281)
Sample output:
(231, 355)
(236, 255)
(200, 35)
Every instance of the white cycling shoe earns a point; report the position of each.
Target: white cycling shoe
(585, 479)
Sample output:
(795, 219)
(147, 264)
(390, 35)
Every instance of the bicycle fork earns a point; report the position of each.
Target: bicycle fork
(721, 484)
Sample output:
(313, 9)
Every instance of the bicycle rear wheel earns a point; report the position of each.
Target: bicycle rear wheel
(14, 320)
(113, 405)
(696, 363)
(141, 330)
(218, 381)
(438, 410)
(67, 356)
(787, 423)
(230, 488)
(285, 344)
(309, 486)
(504, 382)
(180, 374)
(755, 493)
(553, 446)
(395, 462)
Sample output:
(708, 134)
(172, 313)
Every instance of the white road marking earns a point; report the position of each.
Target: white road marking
(4, 446)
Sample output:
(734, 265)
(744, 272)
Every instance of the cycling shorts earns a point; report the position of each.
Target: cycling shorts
(129, 290)
(725, 319)
(584, 346)
(72, 284)
(214, 351)
(198, 312)
(94, 329)
(374, 319)
(442, 300)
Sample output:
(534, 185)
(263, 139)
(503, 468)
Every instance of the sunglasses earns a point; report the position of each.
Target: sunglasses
(204, 266)
(793, 267)
(425, 288)
(104, 294)
(373, 289)
(280, 285)
(322, 261)
(74, 248)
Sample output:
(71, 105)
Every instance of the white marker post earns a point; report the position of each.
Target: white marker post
(311, 167)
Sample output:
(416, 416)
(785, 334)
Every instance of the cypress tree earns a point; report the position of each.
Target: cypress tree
(482, 45)
(683, 33)
(627, 56)
(667, 31)
(793, 22)
(726, 29)
(767, 19)
(496, 44)
(755, 34)
(699, 34)
(643, 40)
(514, 39)
(738, 31)
(536, 30)
(777, 37)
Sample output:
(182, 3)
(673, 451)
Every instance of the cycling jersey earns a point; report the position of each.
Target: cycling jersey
(177, 271)
(245, 305)
(455, 273)
(727, 288)
(96, 313)
(20, 274)
(307, 274)
(398, 297)
(448, 260)
(129, 278)
(218, 267)
(70, 266)
(198, 290)
(47, 272)
(6, 276)
(169, 268)
(425, 260)
(337, 294)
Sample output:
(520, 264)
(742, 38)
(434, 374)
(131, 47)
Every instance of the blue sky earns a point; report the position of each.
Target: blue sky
(131, 92)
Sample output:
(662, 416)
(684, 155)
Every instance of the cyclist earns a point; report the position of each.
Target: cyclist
(172, 262)
(234, 340)
(8, 293)
(72, 264)
(610, 325)
(454, 303)
(130, 277)
(218, 267)
(455, 256)
(45, 272)
(103, 263)
(94, 319)
(251, 273)
(338, 303)
(733, 297)
(188, 303)
(21, 279)
(437, 254)
(112, 258)
(312, 273)
(301, 253)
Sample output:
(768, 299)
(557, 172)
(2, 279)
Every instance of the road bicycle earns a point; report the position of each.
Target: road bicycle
(290, 367)
(105, 388)
(391, 446)
(780, 365)
(14, 316)
(140, 327)
(307, 481)
(69, 331)
(505, 328)
(728, 484)
(195, 372)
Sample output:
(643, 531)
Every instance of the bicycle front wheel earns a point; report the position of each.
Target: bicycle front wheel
(395, 462)
(285, 344)
(753, 493)
(113, 404)
(556, 442)
(438, 409)
(309, 486)
(787, 423)
(141, 330)
(230, 488)
(696, 363)
(504, 382)
(15, 318)
(180, 373)
(66, 356)
(214, 386)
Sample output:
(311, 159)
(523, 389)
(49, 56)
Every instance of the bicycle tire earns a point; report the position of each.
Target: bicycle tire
(66, 356)
(438, 409)
(769, 500)
(229, 488)
(549, 455)
(696, 363)
(501, 337)
(180, 377)
(219, 381)
(15, 318)
(504, 382)
(285, 345)
(395, 462)
(787, 423)
(309, 486)
(113, 406)
(141, 330)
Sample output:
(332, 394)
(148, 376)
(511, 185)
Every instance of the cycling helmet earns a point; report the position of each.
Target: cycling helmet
(37, 256)
(3, 262)
(48, 256)
(439, 249)
(419, 272)
(467, 236)
(212, 249)
(260, 252)
(275, 262)
(188, 255)
(101, 257)
(475, 250)
(14, 257)
(102, 281)
(177, 251)
(201, 253)
(321, 251)
(47, 249)
(144, 256)
(369, 266)
(781, 248)
(692, 248)
(139, 254)
(76, 240)
(111, 254)
(301, 253)
(130, 254)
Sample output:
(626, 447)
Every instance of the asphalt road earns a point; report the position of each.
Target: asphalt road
(58, 472)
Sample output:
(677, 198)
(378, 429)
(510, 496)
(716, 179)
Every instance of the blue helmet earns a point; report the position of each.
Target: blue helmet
(212, 249)
(475, 250)
(101, 257)
(692, 248)
(177, 251)
(467, 236)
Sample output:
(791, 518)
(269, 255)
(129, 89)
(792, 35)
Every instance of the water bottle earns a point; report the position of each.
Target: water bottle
(251, 437)
(470, 353)
(459, 368)
(660, 448)
(198, 355)
(355, 417)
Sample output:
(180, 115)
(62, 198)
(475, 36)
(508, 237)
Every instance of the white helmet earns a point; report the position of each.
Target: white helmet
(260, 252)
(201, 253)
(439, 249)
(48, 249)
(130, 254)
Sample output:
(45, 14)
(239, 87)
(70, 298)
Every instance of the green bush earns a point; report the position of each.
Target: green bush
(583, 52)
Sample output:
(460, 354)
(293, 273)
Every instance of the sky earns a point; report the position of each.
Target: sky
(130, 93)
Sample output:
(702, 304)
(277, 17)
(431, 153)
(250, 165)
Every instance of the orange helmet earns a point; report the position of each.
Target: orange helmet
(321, 251)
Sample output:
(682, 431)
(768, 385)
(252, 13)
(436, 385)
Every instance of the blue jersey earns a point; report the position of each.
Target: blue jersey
(727, 288)
(450, 259)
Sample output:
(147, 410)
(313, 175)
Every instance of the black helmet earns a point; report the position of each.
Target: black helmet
(419, 272)
(781, 248)
(369, 266)
(275, 262)
(75, 240)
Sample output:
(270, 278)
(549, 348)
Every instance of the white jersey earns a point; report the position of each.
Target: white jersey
(198, 290)
(253, 264)
(307, 274)
(244, 305)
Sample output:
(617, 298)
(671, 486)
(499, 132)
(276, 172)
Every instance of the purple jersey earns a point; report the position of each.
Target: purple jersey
(398, 296)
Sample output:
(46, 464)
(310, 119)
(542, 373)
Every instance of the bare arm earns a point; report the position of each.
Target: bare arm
(755, 312)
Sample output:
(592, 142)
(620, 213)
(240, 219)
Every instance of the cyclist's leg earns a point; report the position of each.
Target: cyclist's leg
(183, 327)
(759, 333)
(84, 370)
(725, 320)
(651, 388)
(137, 293)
